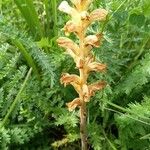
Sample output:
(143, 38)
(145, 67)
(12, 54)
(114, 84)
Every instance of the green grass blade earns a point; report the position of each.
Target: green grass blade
(28, 11)
(15, 100)
(51, 17)
(26, 55)
(48, 17)
(54, 12)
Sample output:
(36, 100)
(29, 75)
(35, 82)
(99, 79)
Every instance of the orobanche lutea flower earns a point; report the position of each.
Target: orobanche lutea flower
(82, 55)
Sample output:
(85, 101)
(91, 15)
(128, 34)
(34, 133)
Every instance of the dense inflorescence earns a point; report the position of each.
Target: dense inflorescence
(82, 54)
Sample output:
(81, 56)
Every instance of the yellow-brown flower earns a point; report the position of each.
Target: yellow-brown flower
(82, 55)
(96, 86)
(95, 66)
(73, 104)
(68, 44)
(98, 15)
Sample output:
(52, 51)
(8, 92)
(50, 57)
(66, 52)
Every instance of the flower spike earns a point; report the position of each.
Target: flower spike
(82, 56)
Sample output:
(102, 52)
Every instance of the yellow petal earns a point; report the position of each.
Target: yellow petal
(75, 103)
(96, 86)
(98, 14)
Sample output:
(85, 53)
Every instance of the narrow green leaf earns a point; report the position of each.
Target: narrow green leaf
(26, 55)
(15, 100)
(28, 11)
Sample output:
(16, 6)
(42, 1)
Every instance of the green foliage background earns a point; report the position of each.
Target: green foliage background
(33, 113)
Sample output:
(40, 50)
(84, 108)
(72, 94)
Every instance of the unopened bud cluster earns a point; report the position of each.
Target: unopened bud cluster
(82, 52)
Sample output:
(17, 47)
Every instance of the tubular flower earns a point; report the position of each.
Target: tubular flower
(71, 27)
(68, 44)
(82, 52)
(95, 66)
(95, 87)
(99, 15)
(68, 79)
(75, 103)
(72, 79)
(92, 41)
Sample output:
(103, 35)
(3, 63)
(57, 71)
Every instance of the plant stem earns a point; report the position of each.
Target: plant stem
(83, 122)
(83, 116)
(83, 111)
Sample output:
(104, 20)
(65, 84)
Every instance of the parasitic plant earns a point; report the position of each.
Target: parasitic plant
(82, 55)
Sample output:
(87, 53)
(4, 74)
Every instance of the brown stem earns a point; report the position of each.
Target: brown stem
(83, 122)
(83, 111)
